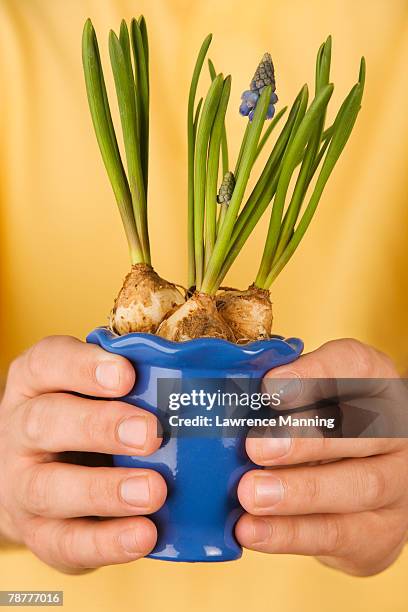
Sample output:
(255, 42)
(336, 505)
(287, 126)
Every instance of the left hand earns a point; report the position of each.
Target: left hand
(351, 511)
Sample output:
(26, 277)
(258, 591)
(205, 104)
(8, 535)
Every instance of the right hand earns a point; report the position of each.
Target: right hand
(47, 503)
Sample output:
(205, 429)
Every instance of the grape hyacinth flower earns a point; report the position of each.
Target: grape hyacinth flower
(264, 75)
(227, 187)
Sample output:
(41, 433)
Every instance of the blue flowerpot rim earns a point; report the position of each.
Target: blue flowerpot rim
(108, 338)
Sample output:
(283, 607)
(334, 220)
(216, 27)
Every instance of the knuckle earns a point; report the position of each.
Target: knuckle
(324, 447)
(331, 535)
(87, 370)
(361, 356)
(66, 549)
(33, 423)
(88, 359)
(36, 355)
(37, 490)
(388, 367)
(372, 486)
(290, 536)
(33, 535)
(15, 367)
(311, 489)
(103, 492)
(98, 549)
(96, 426)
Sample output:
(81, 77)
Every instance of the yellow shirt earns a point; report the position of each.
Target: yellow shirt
(63, 251)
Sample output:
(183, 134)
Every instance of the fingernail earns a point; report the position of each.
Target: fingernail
(286, 383)
(133, 432)
(128, 541)
(273, 448)
(107, 374)
(136, 491)
(261, 531)
(268, 491)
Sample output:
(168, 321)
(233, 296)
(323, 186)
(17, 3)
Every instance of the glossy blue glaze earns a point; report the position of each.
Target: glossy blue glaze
(197, 520)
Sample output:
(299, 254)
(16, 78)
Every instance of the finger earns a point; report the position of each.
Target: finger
(350, 485)
(345, 358)
(57, 490)
(59, 422)
(270, 451)
(63, 363)
(338, 359)
(318, 535)
(80, 544)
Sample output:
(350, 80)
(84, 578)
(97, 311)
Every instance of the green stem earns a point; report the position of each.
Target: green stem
(190, 157)
(263, 193)
(242, 148)
(212, 170)
(224, 141)
(247, 228)
(205, 124)
(221, 216)
(224, 151)
(270, 129)
(269, 168)
(105, 134)
(248, 158)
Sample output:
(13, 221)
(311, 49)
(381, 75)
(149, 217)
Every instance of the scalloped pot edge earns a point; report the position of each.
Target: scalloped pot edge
(290, 347)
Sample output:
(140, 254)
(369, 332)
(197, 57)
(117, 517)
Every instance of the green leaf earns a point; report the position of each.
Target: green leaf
(268, 171)
(342, 129)
(247, 228)
(145, 40)
(262, 193)
(212, 170)
(224, 141)
(105, 134)
(294, 152)
(142, 93)
(127, 109)
(362, 73)
(200, 165)
(197, 116)
(248, 157)
(125, 44)
(191, 137)
(323, 62)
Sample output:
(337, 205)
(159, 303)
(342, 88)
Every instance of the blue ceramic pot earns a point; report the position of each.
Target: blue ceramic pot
(197, 520)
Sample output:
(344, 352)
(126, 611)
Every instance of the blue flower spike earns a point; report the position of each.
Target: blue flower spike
(264, 75)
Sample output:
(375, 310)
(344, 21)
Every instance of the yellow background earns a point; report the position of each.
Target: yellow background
(63, 252)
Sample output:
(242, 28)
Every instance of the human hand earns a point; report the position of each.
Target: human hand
(47, 504)
(351, 511)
